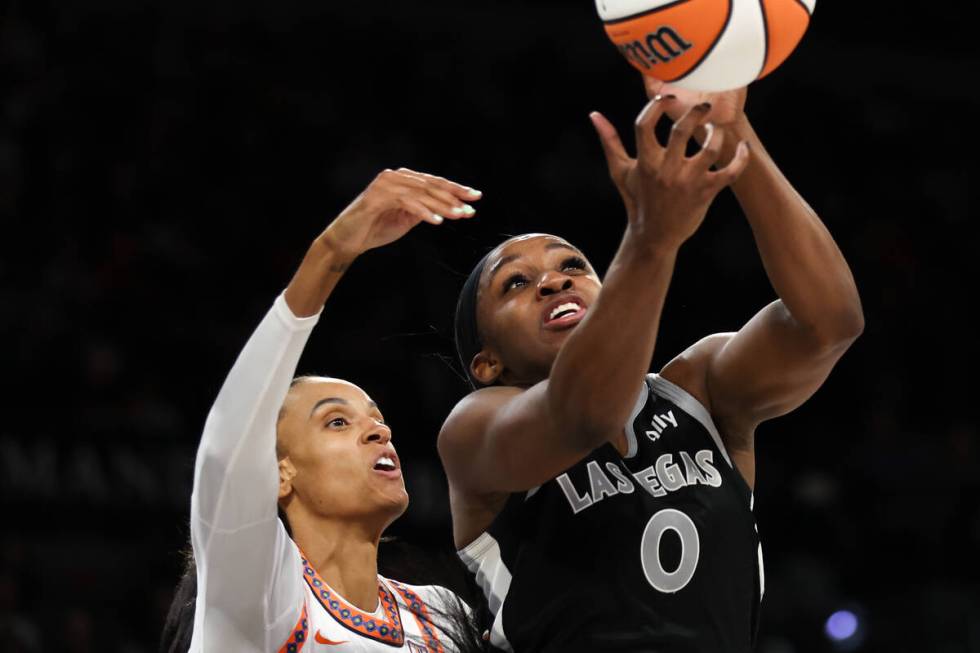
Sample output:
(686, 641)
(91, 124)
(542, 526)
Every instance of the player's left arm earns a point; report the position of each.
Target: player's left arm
(786, 351)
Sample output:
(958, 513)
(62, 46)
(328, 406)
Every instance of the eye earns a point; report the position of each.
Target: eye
(338, 422)
(574, 263)
(515, 281)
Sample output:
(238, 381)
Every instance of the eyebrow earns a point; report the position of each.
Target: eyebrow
(513, 257)
(336, 400)
(499, 264)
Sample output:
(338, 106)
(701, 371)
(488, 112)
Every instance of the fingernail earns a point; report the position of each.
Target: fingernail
(468, 210)
(709, 132)
(705, 106)
(474, 192)
(438, 218)
(458, 210)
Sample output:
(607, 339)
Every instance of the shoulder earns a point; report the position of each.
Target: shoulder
(466, 425)
(689, 369)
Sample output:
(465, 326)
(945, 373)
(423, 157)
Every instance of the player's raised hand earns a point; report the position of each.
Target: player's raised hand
(666, 192)
(622, 167)
(726, 106)
(392, 204)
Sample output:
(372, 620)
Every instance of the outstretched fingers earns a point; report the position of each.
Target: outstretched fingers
(418, 208)
(443, 198)
(731, 172)
(445, 203)
(612, 145)
(714, 140)
(646, 140)
(458, 191)
(683, 130)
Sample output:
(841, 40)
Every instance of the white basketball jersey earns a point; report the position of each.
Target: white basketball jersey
(404, 620)
(256, 592)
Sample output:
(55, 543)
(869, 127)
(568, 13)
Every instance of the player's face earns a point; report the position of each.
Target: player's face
(534, 291)
(339, 450)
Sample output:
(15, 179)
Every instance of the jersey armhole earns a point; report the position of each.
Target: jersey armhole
(630, 432)
(690, 405)
(686, 402)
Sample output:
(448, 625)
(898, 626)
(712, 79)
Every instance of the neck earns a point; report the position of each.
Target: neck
(345, 554)
(515, 381)
(525, 378)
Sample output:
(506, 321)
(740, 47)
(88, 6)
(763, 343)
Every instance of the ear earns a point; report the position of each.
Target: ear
(286, 475)
(486, 367)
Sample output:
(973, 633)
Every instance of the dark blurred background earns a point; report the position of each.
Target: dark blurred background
(163, 166)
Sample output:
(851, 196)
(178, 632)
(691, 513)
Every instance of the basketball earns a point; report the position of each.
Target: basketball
(706, 45)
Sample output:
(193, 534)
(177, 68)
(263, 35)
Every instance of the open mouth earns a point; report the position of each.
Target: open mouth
(565, 313)
(387, 465)
(565, 309)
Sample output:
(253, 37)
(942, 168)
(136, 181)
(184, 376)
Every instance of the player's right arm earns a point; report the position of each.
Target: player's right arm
(249, 592)
(506, 439)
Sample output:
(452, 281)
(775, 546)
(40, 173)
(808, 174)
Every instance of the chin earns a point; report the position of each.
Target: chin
(395, 509)
(403, 501)
(398, 503)
(384, 510)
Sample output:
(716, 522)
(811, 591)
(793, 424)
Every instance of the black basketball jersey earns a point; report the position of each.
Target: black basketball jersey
(656, 550)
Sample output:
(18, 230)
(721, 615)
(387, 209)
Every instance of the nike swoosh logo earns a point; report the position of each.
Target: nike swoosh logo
(320, 639)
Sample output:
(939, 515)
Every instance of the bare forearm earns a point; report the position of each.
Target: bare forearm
(600, 368)
(317, 276)
(598, 371)
(804, 264)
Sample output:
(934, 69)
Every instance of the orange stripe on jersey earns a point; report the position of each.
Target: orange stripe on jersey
(300, 632)
(421, 614)
(387, 630)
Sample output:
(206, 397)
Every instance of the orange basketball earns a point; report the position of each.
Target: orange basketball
(706, 45)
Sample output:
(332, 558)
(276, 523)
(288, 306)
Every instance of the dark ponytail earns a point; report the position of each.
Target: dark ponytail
(412, 564)
(177, 630)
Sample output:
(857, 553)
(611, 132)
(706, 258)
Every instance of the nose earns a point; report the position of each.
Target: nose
(379, 433)
(552, 283)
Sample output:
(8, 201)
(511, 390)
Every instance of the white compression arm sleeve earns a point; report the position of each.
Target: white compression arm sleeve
(250, 589)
